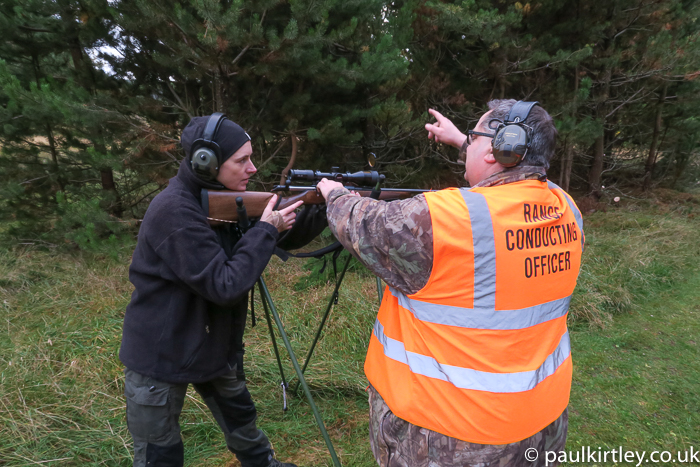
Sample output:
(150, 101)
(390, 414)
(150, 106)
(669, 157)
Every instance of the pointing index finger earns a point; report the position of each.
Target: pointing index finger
(291, 208)
(438, 116)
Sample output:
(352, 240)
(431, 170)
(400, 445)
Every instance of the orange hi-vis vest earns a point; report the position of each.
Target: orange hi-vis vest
(482, 353)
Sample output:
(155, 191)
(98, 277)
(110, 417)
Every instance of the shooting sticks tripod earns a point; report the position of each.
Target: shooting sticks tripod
(269, 307)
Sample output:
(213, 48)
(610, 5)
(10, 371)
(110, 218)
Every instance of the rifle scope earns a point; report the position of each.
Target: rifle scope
(367, 178)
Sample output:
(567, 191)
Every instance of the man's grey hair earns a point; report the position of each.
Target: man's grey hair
(543, 136)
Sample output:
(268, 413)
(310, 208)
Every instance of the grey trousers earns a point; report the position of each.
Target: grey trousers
(153, 411)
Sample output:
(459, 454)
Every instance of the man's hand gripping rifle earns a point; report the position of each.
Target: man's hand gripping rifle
(360, 181)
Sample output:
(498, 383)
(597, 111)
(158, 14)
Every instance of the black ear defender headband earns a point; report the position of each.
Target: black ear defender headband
(205, 155)
(512, 139)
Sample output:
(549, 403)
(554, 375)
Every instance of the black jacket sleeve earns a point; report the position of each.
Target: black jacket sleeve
(309, 224)
(193, 254)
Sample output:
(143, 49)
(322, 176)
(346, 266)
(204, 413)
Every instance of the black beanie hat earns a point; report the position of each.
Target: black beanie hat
(230, 136)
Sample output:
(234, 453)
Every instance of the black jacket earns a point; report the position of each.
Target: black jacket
(188, 310)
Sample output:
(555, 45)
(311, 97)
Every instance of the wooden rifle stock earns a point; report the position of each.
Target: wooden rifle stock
(221, 204)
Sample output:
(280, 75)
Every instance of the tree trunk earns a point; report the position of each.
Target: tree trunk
(217, 93)
(651, 159)
(84, 69)
(566, 164)
(49, 130)
(563, 163)
(681, 162)
(596, 171)
(81, 61)
(594, 175)
(369, 134)
(568, 160)
(192, 96)
(107, 177)
(54, 157)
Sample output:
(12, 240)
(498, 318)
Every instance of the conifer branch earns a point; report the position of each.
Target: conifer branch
(240, 55)
(280, 146)
(31, 29)
(183, 107)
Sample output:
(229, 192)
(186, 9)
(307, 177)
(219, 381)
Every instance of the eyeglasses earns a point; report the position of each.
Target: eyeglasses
(477, 133)
(463, 150)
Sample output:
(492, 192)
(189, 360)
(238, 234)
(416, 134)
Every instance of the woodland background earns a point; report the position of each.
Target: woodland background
(94, 94)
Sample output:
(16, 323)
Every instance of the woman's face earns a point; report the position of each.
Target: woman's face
(237, 170)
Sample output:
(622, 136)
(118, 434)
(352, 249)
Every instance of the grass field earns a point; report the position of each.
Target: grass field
(634, 322)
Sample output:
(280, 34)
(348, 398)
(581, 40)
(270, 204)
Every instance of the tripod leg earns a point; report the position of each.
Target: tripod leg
(274, 342)
(300, 375)
(332, 300)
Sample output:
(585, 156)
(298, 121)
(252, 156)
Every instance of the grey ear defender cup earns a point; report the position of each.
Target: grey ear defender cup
(206, 154)
(205, 163)
(512, 138)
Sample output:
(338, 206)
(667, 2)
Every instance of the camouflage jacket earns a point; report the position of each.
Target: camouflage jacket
(397, 443)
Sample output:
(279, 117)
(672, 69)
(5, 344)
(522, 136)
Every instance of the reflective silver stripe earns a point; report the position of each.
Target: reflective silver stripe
(480, 318)
(466, 378)
(484, 250)
(572, 206)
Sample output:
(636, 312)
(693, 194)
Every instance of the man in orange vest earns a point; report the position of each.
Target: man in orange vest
(469, 361)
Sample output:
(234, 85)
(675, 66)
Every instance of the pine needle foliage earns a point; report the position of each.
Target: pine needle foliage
(94, 93)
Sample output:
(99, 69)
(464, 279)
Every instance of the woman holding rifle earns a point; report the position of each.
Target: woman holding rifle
(185, 322)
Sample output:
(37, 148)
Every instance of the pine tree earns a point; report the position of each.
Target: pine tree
(314, 75)
(62, 131)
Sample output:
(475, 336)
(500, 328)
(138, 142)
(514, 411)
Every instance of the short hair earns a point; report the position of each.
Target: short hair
(544, 133)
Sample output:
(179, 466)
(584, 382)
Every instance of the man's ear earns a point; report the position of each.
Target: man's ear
(489, 157)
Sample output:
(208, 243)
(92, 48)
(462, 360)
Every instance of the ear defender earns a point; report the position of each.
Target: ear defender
(512, 139)
(205, 153)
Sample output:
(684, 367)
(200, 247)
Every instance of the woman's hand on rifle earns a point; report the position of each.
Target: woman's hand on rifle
(282, 219)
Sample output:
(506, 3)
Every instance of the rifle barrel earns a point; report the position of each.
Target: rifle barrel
(353, 188)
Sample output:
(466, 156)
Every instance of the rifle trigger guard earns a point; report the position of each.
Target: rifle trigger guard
(277, 204)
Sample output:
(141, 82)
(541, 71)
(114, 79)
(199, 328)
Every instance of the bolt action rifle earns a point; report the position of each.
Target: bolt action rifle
(220, 205)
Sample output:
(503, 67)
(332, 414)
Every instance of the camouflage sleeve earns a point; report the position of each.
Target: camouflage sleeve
(393, 239)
